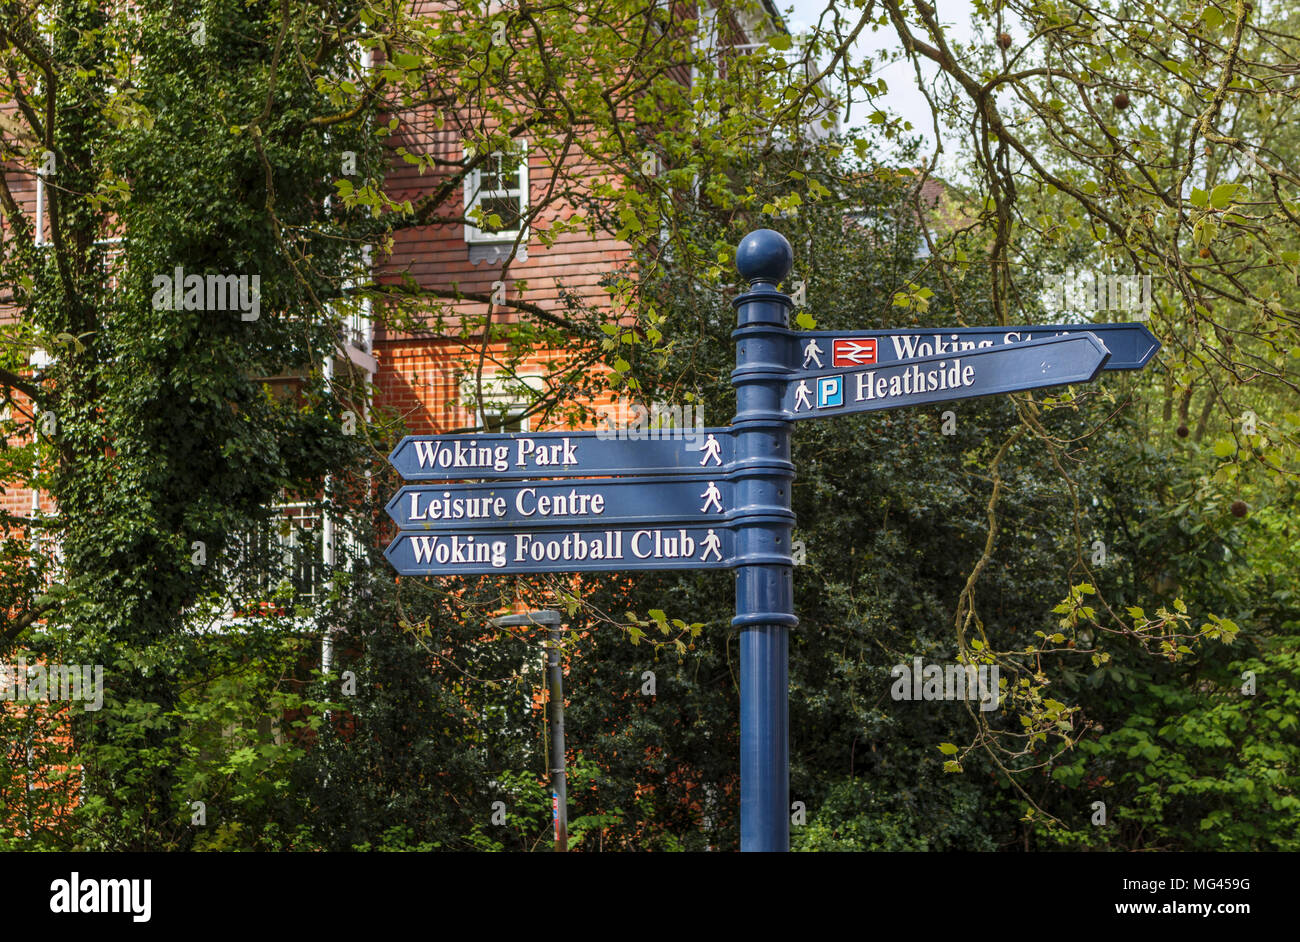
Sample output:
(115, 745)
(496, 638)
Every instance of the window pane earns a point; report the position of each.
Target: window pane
(506, 208)
(500, 172)
(505, 422)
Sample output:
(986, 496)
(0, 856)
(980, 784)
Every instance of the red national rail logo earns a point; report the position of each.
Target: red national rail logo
(853, 351)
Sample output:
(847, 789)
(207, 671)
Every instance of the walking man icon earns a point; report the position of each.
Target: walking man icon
(712, 496)
(712, 449)
(712, 543)
(812, 354)
(801, 399)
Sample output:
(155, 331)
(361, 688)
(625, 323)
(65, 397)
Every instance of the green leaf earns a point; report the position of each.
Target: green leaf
(1199, 198)
(1223, 194)
(805, 320)
(948, 749)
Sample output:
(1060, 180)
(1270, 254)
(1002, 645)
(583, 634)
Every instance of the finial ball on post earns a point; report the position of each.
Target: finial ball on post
(764, 255)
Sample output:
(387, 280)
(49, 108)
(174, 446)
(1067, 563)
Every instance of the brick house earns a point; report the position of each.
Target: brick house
(442, 377)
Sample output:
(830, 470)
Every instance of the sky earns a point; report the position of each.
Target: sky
(904, 97)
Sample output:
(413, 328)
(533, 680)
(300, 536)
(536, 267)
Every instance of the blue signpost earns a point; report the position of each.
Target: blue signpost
(718, 498)
(764, 566)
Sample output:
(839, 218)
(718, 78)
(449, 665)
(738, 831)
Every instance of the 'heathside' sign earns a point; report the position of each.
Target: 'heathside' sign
(1036, 364)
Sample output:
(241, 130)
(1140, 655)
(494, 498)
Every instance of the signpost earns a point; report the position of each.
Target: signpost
(719, 498)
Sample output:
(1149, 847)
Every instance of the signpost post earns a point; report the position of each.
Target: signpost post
(764, 566)
(719, 498)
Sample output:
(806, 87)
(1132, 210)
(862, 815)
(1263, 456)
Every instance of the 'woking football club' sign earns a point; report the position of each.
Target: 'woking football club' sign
(577, 549)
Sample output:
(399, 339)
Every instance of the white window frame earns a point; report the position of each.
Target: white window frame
(500, 418)
(505, 397)
(474, 195)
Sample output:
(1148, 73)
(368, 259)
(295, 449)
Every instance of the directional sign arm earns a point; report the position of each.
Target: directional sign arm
(1035, 364)
(577, 549)
(644, 501)
(515, 456)
(1131, 345)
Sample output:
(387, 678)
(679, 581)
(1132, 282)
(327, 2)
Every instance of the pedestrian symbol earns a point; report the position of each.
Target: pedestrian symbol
(712, 496)
(711, 450)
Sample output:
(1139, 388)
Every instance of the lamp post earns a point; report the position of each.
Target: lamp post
(555, 694)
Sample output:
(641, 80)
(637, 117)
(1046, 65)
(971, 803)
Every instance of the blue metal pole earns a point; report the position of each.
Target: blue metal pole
(764, 526)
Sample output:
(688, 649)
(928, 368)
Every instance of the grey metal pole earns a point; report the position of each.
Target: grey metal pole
(559, 790)
(555, 713)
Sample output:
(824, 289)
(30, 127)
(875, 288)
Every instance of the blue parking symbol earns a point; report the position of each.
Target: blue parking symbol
(830, 392)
